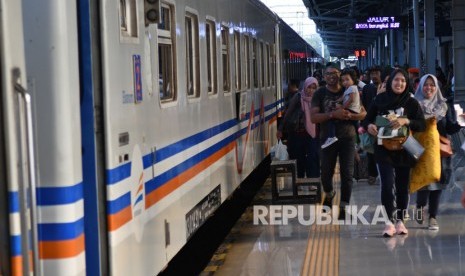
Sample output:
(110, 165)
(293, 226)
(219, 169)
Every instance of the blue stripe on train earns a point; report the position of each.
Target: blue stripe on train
(119, 173)
(15, 245)
(116, 205)
(124, 171)
(182, 167)
(47, 196)
(193, 140)
(60, 231)
(13, 202)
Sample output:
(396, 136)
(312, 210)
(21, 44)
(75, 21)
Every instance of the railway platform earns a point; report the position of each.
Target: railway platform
(261, 246)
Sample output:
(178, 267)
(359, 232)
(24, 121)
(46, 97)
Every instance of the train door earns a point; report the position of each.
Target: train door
(133, 87)
(92, 130)
(52, 61)
(18, 235)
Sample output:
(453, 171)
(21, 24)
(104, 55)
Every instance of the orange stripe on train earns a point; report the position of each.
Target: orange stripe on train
(17, 264)
(61, 249)
(272, 120)
(119, 219)
(174, 183)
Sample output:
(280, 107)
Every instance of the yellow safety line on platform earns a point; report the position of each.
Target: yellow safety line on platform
(322, 254)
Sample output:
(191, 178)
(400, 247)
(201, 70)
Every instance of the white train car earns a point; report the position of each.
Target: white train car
(145, 116)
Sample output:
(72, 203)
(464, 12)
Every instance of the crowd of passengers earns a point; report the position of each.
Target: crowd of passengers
(323, 122)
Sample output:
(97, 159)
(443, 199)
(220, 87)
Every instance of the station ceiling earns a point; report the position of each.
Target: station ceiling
(335, 20)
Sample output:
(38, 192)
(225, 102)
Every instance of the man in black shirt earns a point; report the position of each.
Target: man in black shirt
(324, 108)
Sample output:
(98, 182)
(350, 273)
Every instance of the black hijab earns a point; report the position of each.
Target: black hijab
(390, 100)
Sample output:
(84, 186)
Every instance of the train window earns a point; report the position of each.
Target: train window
(128, 18)
(268, 68)
(237, 59)
(254, 63)
(166, 18)
(166, 55)
(246, 63)
(273, 64)
(262, 64)
(225, 57)
(210, 34)
(192, 56)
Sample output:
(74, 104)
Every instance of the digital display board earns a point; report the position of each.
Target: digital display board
(378, 22)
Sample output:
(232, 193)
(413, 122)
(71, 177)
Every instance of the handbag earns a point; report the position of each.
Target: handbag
(445, 147)
(394, 143)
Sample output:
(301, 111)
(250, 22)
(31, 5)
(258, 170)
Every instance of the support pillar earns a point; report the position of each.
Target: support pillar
(416, 34)
(400, 47)
(458, 36)
(392, 48)
(429, 38)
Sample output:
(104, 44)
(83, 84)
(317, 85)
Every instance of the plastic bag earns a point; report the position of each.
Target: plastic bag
(280, 151)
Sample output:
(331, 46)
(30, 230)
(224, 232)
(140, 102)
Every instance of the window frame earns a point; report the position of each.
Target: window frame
(225, 58)
(131, 33)
(167, 38)
(262, 81)
(237, 60)
(254, 58)
(247, 62)
(192, 54)
(212, 59)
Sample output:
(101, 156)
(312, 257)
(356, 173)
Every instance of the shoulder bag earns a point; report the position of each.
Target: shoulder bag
(445, 146)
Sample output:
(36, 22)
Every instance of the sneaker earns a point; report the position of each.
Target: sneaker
(328, 201)
(433, 224)
(371, 180)
(419, 215)
(400, 228)
(329, 142)
(389, 230)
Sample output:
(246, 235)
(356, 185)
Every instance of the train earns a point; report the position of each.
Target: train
(126, 124)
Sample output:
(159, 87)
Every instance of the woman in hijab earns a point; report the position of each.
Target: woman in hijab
(303, 144)
(394, 166)
(433, 104)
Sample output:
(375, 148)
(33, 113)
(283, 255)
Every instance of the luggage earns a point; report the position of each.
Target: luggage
(361, 166)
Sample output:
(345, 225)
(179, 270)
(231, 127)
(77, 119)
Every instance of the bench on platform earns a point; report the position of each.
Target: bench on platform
(302, 190)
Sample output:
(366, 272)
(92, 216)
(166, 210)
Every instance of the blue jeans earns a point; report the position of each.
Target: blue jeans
(394, 190)
(305, 149)
(345, 149)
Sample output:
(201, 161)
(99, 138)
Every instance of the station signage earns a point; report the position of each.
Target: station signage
(378, 22)
(294, 55)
